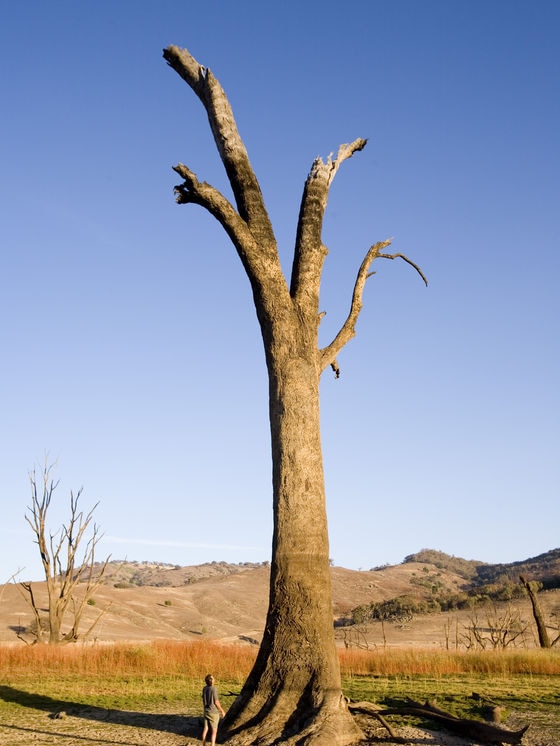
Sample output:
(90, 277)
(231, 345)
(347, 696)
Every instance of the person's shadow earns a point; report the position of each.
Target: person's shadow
(183, 725)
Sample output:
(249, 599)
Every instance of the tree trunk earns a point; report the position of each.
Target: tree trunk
(295, 686)
(544, 639)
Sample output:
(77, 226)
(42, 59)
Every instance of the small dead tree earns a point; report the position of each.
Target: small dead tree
(532, 588)
(60, 559)
(502, 630)
(356, 636)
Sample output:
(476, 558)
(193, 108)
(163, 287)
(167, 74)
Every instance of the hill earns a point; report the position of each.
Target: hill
(217, 600)
(545, 568)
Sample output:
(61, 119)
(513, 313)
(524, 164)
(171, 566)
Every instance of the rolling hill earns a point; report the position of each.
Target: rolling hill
(217, 600)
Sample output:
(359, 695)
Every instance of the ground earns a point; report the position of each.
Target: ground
(95, 726)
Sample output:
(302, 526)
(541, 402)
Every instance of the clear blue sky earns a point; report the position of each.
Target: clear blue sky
(131, 352)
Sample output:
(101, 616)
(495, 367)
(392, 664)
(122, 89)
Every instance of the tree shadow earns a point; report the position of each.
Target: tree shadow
(183, 725)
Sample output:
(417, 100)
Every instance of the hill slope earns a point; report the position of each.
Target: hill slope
(229, 602)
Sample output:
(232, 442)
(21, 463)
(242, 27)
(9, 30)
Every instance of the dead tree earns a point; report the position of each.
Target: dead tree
(542, 631)
(294, 690)
(501, 630)
(63, 569)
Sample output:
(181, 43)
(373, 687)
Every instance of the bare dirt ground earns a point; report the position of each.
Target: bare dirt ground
(98, 726)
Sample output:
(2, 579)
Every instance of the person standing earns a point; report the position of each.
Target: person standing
(212, 710)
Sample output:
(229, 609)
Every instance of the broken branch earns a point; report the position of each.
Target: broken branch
(484, 733)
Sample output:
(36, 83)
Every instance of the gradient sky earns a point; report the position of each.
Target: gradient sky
(131, 352)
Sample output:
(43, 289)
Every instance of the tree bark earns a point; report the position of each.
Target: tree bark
(294, 690)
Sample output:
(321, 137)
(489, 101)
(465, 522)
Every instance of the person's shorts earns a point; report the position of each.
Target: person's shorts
(212, 718)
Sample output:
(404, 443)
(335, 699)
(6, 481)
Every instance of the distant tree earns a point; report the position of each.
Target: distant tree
(5, 585)
(501, 629)
(62, 566)
(532, 588)
(294, 690)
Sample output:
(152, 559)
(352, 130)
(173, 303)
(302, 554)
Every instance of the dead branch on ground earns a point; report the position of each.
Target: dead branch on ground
(484, 733)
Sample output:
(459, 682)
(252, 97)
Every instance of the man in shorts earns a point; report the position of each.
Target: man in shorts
(212, 710)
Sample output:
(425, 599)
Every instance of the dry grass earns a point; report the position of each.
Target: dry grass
(159, 658)
(422, 662)
(123, 675)
(193, 660)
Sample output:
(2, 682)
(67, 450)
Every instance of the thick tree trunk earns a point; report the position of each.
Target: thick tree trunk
(294, 692)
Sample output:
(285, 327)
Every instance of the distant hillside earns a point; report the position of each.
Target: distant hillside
(477, 575)
(545, 568)
(125, 574)
(465, 568)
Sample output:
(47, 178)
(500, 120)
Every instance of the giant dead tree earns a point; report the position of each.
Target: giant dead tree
(293, 693)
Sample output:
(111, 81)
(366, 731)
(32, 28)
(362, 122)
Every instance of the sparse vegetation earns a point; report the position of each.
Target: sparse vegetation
(399, 609)
(465, 568)
(134, 574)
(494, 577)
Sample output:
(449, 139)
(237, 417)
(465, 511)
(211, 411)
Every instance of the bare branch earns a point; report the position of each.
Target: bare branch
(231, 148)
(408, 261)
(201, 193)
(97, 620)
(348, 329)
(531, 588)
(249, 226)
(310, 252)
(336, 369)
(30, 598)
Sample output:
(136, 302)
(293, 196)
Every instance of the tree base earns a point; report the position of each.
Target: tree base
(329, 726)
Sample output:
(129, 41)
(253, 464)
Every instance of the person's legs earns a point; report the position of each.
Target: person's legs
(213, 734)
(204, 732)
